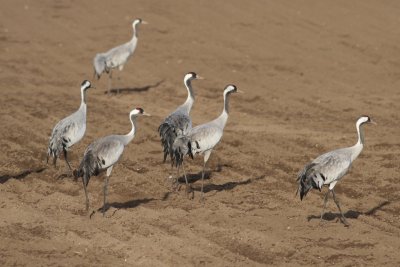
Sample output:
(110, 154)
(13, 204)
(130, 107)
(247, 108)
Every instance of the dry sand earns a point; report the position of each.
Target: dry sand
(309, 69)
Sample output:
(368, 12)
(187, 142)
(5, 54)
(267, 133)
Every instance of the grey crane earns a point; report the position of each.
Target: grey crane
(203, 138)
(178, 122)
(117, 56)
(69, 130)
(102, 154)
(329, 168)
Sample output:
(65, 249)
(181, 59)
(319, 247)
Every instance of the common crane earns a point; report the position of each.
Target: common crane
(329, 168)
(69, 130)
(178, 122)
(102, 154)
(117, 56)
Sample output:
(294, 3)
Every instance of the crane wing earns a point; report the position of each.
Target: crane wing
(108, 150)
(117, 56)
(326, 169)
(333, 165)
(205, 137)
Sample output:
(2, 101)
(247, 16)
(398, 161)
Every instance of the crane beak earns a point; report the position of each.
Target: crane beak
(373, 122)
(144, 22)
(240, 91)
(146, 114)
(199, 77)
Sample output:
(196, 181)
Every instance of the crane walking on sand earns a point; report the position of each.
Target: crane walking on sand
(203, 138)
(117, 56)
(330, 167)
(69, 130)
(178, 123)
(103, 153)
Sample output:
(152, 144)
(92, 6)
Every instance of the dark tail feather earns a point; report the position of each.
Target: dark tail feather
(305, 180)
(168, 136)
(89, 166)
(181, 147)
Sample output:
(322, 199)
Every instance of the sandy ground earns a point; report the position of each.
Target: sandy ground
(308, 69)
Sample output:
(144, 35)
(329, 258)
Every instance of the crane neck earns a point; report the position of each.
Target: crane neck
(128, 137)
(226, 102)
(135, 32)
(358, 147)
(223, 118)
(360, 132)
(190, 98)
(83, 99)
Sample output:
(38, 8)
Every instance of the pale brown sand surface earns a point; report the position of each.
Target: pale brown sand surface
(308, 69)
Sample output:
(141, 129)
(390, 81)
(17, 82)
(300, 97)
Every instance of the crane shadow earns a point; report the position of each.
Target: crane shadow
(21, 175)
(226, 186)
(126, 205)
(197, 176)
(127, 90)
(351, 214)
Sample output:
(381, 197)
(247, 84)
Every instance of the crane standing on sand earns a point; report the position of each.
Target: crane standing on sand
(178, 123)
(69, 130)
(203, 138)
(117, 56)
(330, 167)
(103, 153)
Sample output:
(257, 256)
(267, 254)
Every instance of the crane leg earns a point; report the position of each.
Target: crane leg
(175, 181)
(85, 183)
(188, 187)
(202, 182)
(55, 160)
(109, 170)
(206, 157)
(325, 201)
(343, 219)
(105, 194)
(109, 82)
(66, 159)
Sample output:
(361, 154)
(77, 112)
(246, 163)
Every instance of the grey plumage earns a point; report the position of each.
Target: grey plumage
(329, 168)
(69, 130)
(203, 138)
(178, 123)
(103, 153)
(117, 56)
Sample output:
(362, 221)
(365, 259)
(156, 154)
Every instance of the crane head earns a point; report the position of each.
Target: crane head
(138, 112)
(137, 22)
(365, 119)
(86, 85)
(192, 76)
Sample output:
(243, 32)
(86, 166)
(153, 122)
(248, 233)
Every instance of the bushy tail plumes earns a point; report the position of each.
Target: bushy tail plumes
(52, 153)
(309, 178)
(56, 146)
(168, 136)
(99, 64)
(181, 147)
(90, 166)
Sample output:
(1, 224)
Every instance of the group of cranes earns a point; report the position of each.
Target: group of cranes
(198, 140)
(99, 156)
(178, 137)
(103, 153)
